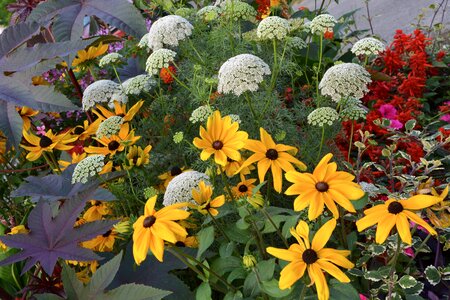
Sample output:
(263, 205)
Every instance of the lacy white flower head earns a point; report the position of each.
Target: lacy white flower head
(242, 73)
(296, 42)
(353, 109)
(368, 46)
(323, 116)
(138, 84)
(322, 23)
(109, 127)
(159, 59)
(180, 187)
(98, 92)
(88, 167)
(118, 96)
(235, 118)
(273, 28)
(178, 137)
(306, 28)
(201, 114)
(185, 12)
(143, 42)
(238, 10)
(109, 59)
(168, 31)
(345, 80)
(209, 13)
(295, 24)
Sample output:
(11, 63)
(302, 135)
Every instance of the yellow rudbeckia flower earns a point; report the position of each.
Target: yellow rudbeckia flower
(271, 156)
(84, 56)
(324, 186)
(203, 198)
(221, 138)
(46, 143)
(313, 258)
(155, 227)
(396, 213)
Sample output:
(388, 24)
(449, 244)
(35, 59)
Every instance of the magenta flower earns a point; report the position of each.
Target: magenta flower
(396, 124)
(388, 111)
(445, 118)
(40, 130)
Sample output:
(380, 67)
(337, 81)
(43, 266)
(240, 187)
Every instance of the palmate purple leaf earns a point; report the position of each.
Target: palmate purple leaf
(51, 238)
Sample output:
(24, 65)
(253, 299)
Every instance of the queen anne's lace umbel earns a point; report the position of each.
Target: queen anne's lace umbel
(322, 23)
(168, 31)
(201, 114)
(99, 91)
(88, 167)
(273, 28)
(143, 42)
(323, 116)
(159, 59)
(353, 109)
(109, 127)
(109, 59)
(238, 10)
(345, 80)
(138, 84)
(209, 13)
(180, 187)
(368, 46)
(242, 73)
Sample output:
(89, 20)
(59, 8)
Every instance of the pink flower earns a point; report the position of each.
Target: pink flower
(41, 130)
(362, 297)
(396, 124)
(445, 118)
(388, 111)
(409, 251)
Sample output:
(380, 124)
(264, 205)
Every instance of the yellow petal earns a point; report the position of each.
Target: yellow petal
(420, 202)
(156, 245)
(291, 273)
(333, 270)
(371, 219)
(316, 275)
(150, 206)
(323, 235)
(402, 225)
(384, 228)
(283, 254)
(416, 219)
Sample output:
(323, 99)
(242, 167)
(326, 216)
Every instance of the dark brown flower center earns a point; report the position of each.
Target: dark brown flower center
(97, 203)
(272, 154)
(322, 186)
(309, 256)
(230, 160)
(395, 208)
(7, 230)
(243, 188)
(78, 130)
(113, 145)
(149, 221)
(217, 145)
(106, 234)
(180, 244)
(174, 171)
(45, 142)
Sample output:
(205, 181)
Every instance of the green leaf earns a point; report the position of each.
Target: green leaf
(409, 125)
(342, 291)
(11, 124)
(70, 15)
(373, 276)
(266, 269)
(277, 219)
(205, 239)
(224, 265)
(104, 275)
(135, 292)
(203, 292)
(226, 250)
(407, 281)
(376, 249)
(360, 203)
(234, 296)
(47, 297)
(432, 274)
(72, 286)
(415, 290)
(238, 273)
(251, 287)
(271, 288)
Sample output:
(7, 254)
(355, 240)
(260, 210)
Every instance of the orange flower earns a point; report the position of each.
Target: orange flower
(165, 75)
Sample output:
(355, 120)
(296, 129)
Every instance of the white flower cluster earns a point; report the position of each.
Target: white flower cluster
(273, 28)
(143, 42)
(297, 43)
(241, 73)
(235, 118)
(185, 12)
(168, 31)
(209, 13)
(109, 59)
(158, 60)
(118, 96)
(345, 80)
(109, 127)
(180, 187)
(295, 24)
(323, 116)
(88, 167)
(138, 84)
(322, 23)
(178, 137)
(201, 114)
(98, 92)
(238, 10)
(368, 46)
(369, 188)
(353, 109)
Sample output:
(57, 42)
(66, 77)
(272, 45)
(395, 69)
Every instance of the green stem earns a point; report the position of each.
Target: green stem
(418, 250)
(220, 227)
(263, 209)
(275, 65)
(117, 75)
(258, 278)
(351, 141)
(55, 162)
(321, 142)
(196, 52)
(92, 73)
(303, 292)
(318, 69)
(249, 103)
(394, 262)
(179, 81)
(259, 239)
(342, 223)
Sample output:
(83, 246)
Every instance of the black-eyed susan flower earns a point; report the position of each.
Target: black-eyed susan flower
(396, 213)
(155, 227)
(313, 258)
(137, 156)
(188, 241)
(120, 109)
(232, 167)
(102, 243)
(324, 186)
(203, 195)
(271, 156)
(26, 113)
(97, 210)
(221, 138)
(169, 175)
(115, 143)
(76, 158)
(86, 56)
(87, 130)
(19, 229)
(439, 214)
(244, 188)
(46, 143)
